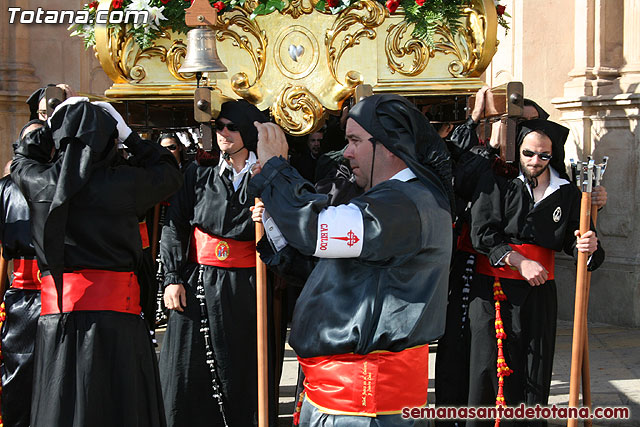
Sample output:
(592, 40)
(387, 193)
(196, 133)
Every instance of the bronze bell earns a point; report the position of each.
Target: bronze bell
(202, 55)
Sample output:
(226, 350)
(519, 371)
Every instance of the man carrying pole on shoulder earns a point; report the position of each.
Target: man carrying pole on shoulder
(518, 224)
(377, 296)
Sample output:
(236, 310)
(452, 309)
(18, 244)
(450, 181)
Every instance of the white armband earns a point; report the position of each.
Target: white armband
(340, 232)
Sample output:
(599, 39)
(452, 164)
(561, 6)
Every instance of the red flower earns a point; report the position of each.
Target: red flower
(392, 5)
(93, 5)
(500, 9)
(116, 4)
(333, 3)
(419, 2)
(219, 6)
(165, 1)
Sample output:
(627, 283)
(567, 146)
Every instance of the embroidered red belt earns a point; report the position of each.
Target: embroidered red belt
(372, 384)
(26, 274)
(211, 250)
(144, 234)
(544, 256)
(98, 290)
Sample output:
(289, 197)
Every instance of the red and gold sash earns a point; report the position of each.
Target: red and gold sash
(211, 250)
(26, 274)
(371, 384)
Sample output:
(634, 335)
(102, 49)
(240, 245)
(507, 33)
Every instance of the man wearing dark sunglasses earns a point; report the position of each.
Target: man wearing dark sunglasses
(517, 225)
(208, 362)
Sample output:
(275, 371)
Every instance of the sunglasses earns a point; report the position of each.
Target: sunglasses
(231, 126)
(541, 156)
(171, 147)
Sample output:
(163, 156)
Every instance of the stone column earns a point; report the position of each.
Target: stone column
(630, 81)
(597, 41)
(602, 111)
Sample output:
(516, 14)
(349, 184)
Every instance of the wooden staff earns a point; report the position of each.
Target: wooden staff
(579, 316)
(261, 300)
(586, 372)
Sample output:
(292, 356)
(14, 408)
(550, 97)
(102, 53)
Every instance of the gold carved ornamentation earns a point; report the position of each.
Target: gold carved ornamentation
(228, 30)
(373, 16)
(126, 55)
(297, 110)
(175, 55)
(467, 45)
(297, 8)
(296, 52)
(416, 47)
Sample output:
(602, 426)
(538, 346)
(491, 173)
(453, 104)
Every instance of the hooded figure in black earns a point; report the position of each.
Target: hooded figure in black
(379, 288)
(21, 300)
(94, 362)
(517, 225)
(208, 250)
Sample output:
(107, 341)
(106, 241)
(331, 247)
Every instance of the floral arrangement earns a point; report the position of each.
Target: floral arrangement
(423, 14)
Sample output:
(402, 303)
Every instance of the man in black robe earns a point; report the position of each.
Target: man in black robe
(517, 224)
(94, 362)
(208, 250)
(376, 298)
(21, 301)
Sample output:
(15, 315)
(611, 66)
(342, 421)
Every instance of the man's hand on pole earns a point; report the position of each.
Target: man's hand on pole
(175, 297)
(587, 242)
(257, 211)
(272, 142)
(599, 196)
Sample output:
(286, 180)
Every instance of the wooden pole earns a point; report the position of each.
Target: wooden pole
(579, 316)
(261, 300)
(586, 373)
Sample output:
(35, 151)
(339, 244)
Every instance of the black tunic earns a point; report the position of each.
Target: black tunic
(209, 202)
(504, 213)
(22, 308)
(392, 296)
(96, 368)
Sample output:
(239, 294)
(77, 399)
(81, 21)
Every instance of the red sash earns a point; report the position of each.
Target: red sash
(144, 234)
(26, 274)
(372, 384)
(544, 256)
(211, 250)
(464, 240)
(93, 290)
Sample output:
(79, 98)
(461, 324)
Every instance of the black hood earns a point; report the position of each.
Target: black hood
(542, 114)
(398, 125)
(243, 114)
(34, 100)
(558, 136)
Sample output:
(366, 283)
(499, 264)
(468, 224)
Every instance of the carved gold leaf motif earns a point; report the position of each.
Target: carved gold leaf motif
(297, 110)
(365, 15)
(228, 30)
(415, 47)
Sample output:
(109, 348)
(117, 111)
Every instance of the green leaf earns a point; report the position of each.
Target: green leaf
(321, 5)
(272, 5)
